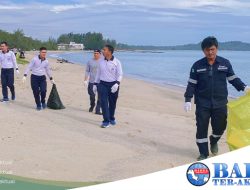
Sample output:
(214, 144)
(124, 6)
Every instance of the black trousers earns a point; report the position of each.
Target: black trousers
(93, 99)
(108, 101)
(39, 87)
(7, 79)
(218, 117)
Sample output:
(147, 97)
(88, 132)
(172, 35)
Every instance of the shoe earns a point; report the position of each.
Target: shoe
(38, 108)
(44, 105)
(113, 122)
(105, 125)
(214, 149)
(91, 109)
(4, 100)
(98, 113)
(13, 98)
(201, 157)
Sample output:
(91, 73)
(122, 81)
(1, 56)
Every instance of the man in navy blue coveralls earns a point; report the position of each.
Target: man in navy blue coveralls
(208, 84)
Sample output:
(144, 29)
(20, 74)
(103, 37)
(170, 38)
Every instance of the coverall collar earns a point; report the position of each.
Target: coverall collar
(217, 60)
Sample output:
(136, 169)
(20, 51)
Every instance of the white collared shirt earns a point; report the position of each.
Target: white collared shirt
(38, 67)
(109, 71)
(8, 60)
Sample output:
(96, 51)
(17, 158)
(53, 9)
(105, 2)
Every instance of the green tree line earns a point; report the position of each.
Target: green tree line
(20, 41)
(94, 40)
(90, 40)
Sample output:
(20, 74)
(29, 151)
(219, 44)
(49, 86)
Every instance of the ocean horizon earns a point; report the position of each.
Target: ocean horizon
(165, 68)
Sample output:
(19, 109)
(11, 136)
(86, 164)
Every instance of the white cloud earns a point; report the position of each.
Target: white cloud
(61, 8)
(224, 6)
(11, 7)
(235, 7)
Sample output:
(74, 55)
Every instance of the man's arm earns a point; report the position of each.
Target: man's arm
(87, 72)
(97, 78)
(119, 75)
(1, 59)
(192, 83)
(14, 61)
(234, 80)
(48, 71)
(29, 68)
(119, 72)
(98, 74)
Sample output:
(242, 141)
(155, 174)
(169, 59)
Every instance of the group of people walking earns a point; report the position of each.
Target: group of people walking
(103, 76)
(39, 66)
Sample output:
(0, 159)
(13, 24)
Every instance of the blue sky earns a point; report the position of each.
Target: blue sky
(141, 22)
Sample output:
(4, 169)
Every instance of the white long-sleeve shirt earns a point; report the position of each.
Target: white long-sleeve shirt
(109, 71)
(38, 67)
(8, 60)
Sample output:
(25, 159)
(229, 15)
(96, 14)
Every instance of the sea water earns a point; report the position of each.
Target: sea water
(166, 67)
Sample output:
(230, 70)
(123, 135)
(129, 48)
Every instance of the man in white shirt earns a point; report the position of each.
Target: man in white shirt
(108, 78)
(40, 69)
(8, 64)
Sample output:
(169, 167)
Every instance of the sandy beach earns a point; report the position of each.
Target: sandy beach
(153, 131)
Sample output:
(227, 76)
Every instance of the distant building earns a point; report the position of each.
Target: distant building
(70, 46)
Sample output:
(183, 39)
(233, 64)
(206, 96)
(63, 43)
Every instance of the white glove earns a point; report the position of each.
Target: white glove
(24, 79)
(114, 88)
(95, 89)
(52, 81)
(247, 89)
(86, 83)
(18, 72)
(187, 106)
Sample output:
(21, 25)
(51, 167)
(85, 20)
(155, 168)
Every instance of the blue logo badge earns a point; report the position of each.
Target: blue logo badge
(198, 174)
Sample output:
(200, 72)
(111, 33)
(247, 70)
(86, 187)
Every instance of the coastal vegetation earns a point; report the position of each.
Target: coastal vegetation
(94, 40)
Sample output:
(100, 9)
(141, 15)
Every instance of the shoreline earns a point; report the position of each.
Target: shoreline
(162, 84)
(177, 87)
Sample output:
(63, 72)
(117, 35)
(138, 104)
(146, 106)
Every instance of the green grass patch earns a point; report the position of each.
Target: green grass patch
(11, 182)
(21, 61)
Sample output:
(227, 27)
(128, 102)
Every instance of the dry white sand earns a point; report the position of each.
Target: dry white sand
(153, 132)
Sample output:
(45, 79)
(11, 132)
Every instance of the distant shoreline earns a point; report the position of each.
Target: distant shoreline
(175, 87)
(140, 50)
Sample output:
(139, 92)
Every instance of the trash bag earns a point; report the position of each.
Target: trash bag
(238, 131)
(54, 101)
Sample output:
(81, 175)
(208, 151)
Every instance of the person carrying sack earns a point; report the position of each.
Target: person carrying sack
(208, 84)
(40, 68)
